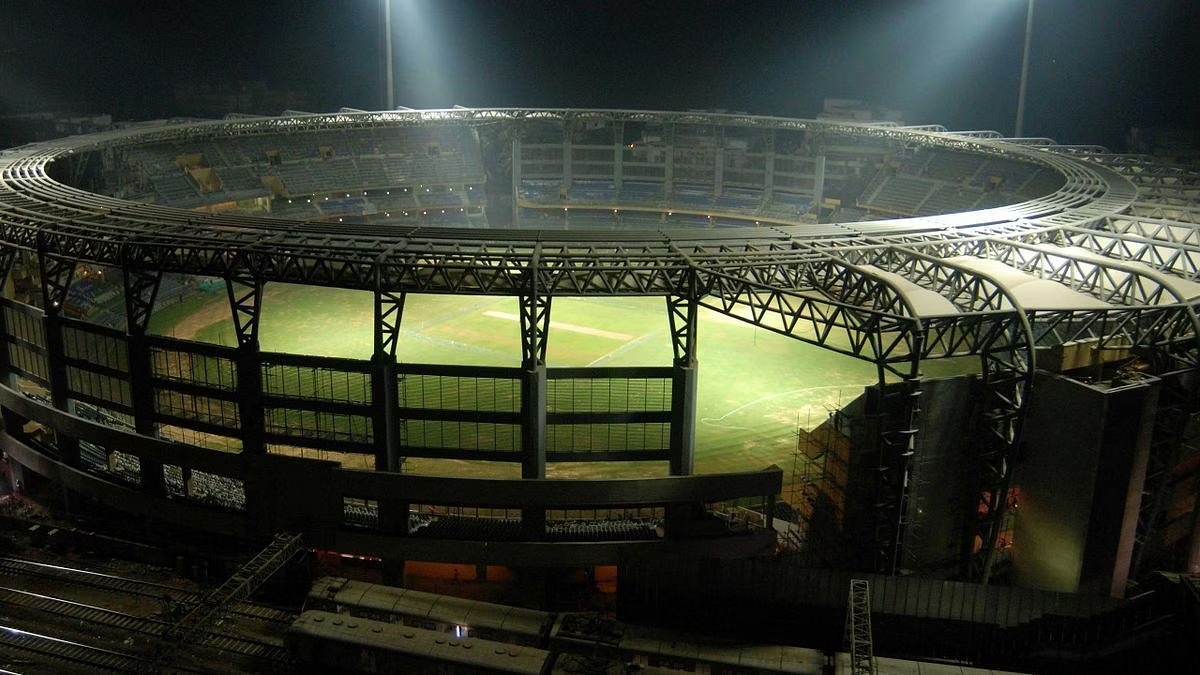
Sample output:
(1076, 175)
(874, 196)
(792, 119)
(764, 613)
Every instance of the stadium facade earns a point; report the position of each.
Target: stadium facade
(1064, 277)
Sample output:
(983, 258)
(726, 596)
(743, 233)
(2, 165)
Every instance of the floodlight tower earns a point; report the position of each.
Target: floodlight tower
(387, 41)
(1019, 127)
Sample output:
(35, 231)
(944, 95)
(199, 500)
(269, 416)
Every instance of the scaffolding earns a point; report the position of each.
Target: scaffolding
(817, 491)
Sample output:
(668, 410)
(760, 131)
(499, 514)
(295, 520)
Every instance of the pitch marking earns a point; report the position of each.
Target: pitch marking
(716, 421)
(569, 327)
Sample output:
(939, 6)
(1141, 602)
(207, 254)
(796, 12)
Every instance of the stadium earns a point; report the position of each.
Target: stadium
(570, 338)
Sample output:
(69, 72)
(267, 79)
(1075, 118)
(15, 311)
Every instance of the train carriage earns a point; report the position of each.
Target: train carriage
(324, 642)
(461, 617)
(328, 642)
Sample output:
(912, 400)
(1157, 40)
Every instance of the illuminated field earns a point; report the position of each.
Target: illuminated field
(756, 388)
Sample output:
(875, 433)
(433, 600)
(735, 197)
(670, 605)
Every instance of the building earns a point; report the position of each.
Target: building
(1061, 278)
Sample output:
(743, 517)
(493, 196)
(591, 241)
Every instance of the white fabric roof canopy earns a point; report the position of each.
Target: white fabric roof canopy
(1030, 291)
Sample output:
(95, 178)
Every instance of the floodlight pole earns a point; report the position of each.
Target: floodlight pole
(387, 41)
(1020, 125)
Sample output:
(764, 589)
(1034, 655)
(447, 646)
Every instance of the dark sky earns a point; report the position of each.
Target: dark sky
(1097, 66)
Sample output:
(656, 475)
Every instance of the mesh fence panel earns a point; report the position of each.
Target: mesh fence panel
(26, 327)
(219, 372)
(464, 435)
(450, 392)
(318, 424)
(316, 383)
(608, 395)
(200, 408)
(30, 362)
(96, 348)
(89, 384)
(601, 437)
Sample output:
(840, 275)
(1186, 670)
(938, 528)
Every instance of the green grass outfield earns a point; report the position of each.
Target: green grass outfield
(755, 387)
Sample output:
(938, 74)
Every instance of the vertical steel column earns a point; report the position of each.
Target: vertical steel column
(56, 275)
(389, 309)
(1193, 557)
(901, 412)
(245, 302)
(1172, 417)
(903, 442)
(1007, 358)
(682, 313)
(385, 405)
(535, 330)
(8, 256)
(141, 288)
(535, 326)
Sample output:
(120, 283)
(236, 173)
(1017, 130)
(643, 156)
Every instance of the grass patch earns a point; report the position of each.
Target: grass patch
(755, 388)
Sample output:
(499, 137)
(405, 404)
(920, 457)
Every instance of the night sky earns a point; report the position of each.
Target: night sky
(1097, 68)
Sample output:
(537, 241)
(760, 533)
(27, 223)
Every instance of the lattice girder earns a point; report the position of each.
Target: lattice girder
(1110, 281)
(1151, 321)
(245, 302)
(1155, 244)
(1182, 214)
(141, 288)
(778, 277)
(535, 329)
(968, 290)
(812, 316)
(682, 313)
(56, 276)
(856, 286)
(389, 310)
(8, 256)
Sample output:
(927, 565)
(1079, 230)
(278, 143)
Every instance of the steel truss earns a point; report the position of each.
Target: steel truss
(239, 587)
(245, 301)
(859, 638)
(1004, 342)
(1165, 245)
(389, 309)
(826, 291)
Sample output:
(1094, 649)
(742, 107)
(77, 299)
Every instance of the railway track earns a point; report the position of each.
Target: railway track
(89, 614)
(214, 650)
(76, 656)
(30, 568)
(146, 589)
